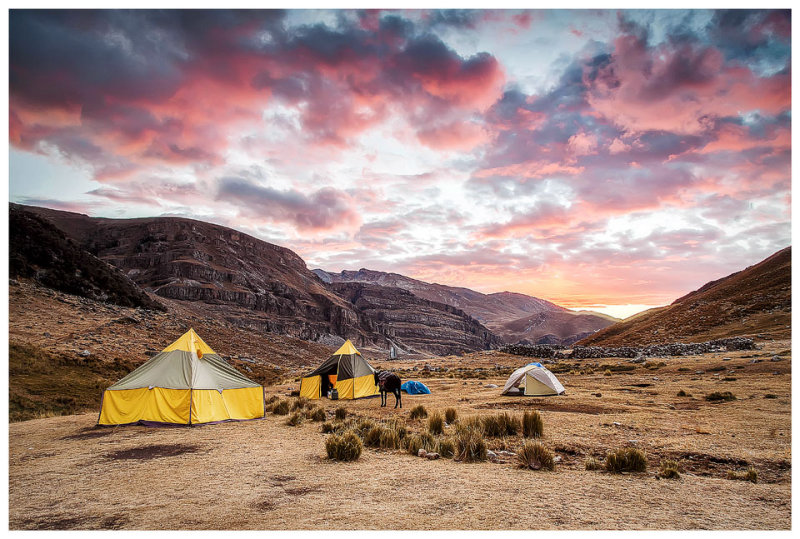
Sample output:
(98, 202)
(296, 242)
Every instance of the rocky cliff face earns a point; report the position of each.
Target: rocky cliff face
(512, 316)
(231, 272)
(414, 323)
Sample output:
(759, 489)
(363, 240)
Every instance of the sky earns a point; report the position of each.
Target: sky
(601, 159)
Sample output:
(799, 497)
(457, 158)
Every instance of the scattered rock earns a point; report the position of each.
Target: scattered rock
(617, 424)
(755, 360)
(85, 353)
(776, 358)
(726, 359)
(490, 386)
(432, 456)
(699, 372)
(422, 453)
(491, 455)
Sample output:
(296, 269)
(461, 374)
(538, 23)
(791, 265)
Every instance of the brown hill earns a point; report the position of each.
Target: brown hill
(512, 316)
(231, 276)
(753, 302)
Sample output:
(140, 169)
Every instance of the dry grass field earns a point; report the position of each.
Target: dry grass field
(65, 473)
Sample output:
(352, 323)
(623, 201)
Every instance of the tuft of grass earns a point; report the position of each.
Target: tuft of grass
(372, 438)
(684, 369)
(317, 414)
(729, 379)
(470, 445)
(327, 427)
(340, 414)
(390, 438)
(750, 474)
(346, 447)
(669, 469)
(503, 424)
(281, 407)
(535, 456)
(300, 403)
(418, 412)
(770, 396)
(721, 396)
(627, 459)
(415, 442)
(607, 372)
(682, 393)
(592, 463)
(446, 447)
(450, 415)
(296, 418)
(532, 425)
(436, 424)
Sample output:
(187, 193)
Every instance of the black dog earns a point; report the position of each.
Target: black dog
(388, 382)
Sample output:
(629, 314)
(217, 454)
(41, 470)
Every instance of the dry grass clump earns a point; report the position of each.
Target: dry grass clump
(436, 424)
(300, 403)
(592, 464)
(535, 456)
(418, 412)
(669, 469)
(770, 396)
(271, 403)
(682, 393)
(627, 459)
(450, 416)
(391, 438)
(721, 396)
(415, 442)
(317, 414)
(532, 425)
(470, 445)
(750, 474)
(503, 424)
(346, 447)
(281, 407)
(296, 419)
(327, 427)
(340, 414)
(446, 447)
(372, 438)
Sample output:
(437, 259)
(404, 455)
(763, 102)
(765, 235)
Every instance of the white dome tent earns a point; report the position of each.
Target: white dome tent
(533, 380)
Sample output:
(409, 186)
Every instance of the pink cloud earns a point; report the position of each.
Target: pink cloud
(454, 136)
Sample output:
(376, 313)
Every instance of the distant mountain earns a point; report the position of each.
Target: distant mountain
(512, 316)
(252, 284)
(751, 302)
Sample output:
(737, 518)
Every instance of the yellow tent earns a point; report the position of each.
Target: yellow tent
(186, 384)
(346, 371)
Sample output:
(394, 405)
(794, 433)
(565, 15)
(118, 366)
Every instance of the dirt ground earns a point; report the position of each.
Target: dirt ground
(66, 474)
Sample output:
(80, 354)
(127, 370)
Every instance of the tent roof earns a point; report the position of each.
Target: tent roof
(346, 349)
(188, 363)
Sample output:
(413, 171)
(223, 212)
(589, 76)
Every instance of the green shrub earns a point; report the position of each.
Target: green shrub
(470, 445)
(446, 447)
(327, 427)
(340, 414)
(295, 419)
(750, 474)
(721, 396)
(535, 456)
(346, 447)
(281, 407)
(436, 424)
(532, 425)
(669, 469)
(592, 463)
(450, 415)
(418, 412)
(317, 414)
(627, 459)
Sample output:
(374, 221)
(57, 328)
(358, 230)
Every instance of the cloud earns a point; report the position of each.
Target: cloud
(324, 209)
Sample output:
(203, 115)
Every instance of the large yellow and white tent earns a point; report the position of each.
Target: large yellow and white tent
(186, 384)
(533, 380)
(346, 371)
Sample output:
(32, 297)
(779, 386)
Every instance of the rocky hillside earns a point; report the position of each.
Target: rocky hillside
(512, 316)
(224, 274)
(416, 324)
(755, 302)
(40, 251)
